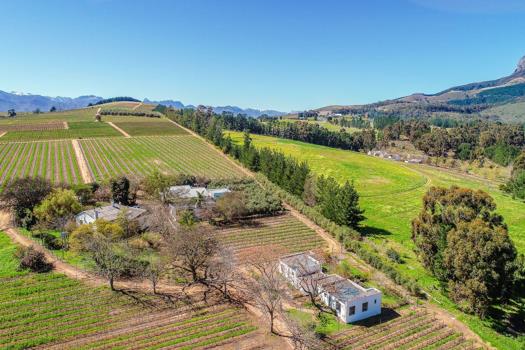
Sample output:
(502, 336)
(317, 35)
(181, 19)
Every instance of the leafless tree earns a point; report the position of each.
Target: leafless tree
(303, 337)
(224, 273)
(266, 288)
(153, 270)
(192, 250)
(108, 263)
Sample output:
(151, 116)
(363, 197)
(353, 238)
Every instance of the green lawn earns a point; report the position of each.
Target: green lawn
(391, 195)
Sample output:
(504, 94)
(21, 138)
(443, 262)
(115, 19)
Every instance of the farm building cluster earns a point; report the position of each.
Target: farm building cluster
(349, 300)
(198, 200)
(397, 157)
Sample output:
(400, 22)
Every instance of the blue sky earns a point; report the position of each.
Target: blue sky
(286, 55)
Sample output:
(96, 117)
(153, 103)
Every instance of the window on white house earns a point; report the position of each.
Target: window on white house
(365, 307)
(351, 311)
(375, 301)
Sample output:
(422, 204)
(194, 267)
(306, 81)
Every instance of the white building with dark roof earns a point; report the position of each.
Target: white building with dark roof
(351, 301)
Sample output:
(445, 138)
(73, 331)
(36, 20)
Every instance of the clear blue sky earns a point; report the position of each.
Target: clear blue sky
(286, 55)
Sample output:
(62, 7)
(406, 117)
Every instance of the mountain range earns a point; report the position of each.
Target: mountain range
(23, 102)
(500, 99)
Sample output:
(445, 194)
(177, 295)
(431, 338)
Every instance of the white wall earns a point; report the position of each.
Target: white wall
(374, 308)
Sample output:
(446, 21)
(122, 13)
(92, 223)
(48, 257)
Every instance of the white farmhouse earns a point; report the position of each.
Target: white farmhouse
(351, 301)
(108, 213)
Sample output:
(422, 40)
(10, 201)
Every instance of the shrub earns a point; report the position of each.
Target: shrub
(394, 256)
(32, 259)
(48, 240)
(139, 243)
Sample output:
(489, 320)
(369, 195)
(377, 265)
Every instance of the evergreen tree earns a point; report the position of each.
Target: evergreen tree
(348, 212)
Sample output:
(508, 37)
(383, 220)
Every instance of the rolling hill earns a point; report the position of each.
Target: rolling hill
(499, 99)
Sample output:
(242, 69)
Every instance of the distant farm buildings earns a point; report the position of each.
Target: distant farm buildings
(397, 157)
(349, 300)
(198, 200)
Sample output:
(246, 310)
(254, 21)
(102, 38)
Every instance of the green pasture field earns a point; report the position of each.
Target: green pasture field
(139, 156)
(77, 130)
(391, 195)
(326, 125)
(54, 160)
(50, 309)
(153, 126)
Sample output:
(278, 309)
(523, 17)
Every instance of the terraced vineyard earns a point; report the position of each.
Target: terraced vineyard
(54, 160)
(139, 156)
(284, 232)
(413, 331)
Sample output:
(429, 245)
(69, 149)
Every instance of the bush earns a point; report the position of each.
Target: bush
(32, 259)
(48, 240)
(394, 256)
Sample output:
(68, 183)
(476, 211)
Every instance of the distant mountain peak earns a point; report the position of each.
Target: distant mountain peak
(521, 66)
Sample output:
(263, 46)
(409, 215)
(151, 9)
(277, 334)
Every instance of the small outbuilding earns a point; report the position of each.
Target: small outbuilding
(351, 301)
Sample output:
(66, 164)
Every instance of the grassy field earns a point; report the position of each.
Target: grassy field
(141, 155)
(391, 194)
(52, 311)
(54, 160)
(510, 112)
(149, 126)
(283, 232)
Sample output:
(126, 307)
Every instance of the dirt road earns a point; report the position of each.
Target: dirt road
(82, 162)
(119, 130)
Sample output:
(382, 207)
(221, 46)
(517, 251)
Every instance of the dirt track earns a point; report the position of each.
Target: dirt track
(119, 130)
(82, 162)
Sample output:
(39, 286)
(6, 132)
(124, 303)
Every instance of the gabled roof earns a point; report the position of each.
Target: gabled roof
(111, 212)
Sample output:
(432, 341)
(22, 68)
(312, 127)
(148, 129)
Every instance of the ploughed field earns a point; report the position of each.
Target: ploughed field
(52, 311)
(284, 233)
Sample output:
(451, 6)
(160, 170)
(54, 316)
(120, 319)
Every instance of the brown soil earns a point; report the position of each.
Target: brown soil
(119, 130)
(82, 162)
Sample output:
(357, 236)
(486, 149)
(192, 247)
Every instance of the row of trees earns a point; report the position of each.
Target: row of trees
(199, 120)
(464, 243)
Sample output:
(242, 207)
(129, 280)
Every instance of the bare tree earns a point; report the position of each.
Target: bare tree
(108, 263)
(192, 250)
(303, 338)
(152, 270)
(224, 274)
(266, 288)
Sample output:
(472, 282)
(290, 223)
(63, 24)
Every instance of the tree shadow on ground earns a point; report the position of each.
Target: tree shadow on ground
(370, 231)
(510, 319)
(386, 315)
